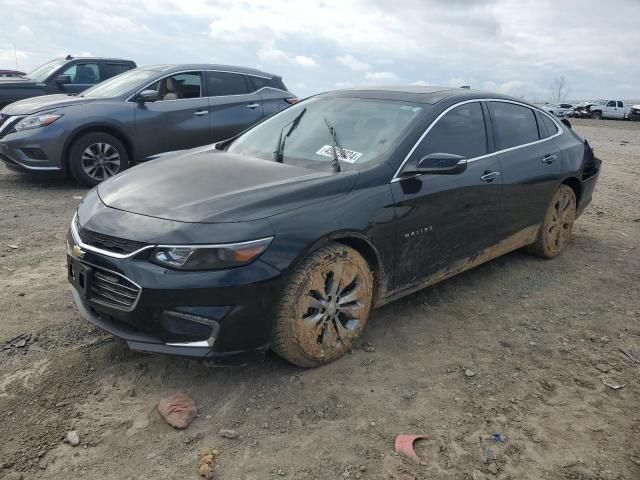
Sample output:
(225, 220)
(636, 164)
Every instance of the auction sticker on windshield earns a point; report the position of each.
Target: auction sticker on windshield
(349, 155)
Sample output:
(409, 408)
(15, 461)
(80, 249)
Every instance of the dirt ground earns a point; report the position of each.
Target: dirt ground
(537, 337)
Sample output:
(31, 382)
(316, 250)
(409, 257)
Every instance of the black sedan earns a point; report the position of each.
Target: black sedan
(286, 236)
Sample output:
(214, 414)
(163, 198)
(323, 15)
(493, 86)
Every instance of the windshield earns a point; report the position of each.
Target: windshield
(367, 131)
(120, 84)
(41, 73)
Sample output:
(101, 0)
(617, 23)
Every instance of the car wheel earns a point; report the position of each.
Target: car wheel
(596, 115)
(324, 307)
(94, 157)
(555, 232)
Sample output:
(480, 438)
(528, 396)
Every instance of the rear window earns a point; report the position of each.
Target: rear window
(513, 124)
(224, 83)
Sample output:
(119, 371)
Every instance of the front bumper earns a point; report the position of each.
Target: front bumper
(220, 314)
(39, 150)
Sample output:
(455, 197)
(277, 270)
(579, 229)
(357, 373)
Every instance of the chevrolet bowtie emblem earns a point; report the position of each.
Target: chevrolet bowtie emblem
(77, 252)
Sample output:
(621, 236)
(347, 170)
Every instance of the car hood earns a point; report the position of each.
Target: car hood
(214, 186)
(32, 105)
(16, 81)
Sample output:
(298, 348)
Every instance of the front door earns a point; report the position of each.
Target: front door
(82, 75)
(178, 120)
(446, 223)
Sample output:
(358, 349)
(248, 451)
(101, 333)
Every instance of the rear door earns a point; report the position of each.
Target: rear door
(178, 120)
(234, 106)
(531, 167)
(446, 221)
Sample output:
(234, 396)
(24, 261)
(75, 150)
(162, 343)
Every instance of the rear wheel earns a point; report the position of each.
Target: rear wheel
(94, 157)
(325, 306)
(555, 232)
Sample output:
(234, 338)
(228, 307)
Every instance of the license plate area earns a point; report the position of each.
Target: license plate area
(80, 276)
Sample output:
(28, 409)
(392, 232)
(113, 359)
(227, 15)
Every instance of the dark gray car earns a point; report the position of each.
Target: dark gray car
(135, 116)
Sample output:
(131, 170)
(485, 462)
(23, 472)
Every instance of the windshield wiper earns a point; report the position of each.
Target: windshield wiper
(278, 155)
(335, 163)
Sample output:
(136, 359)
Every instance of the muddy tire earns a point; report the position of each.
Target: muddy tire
(94, 157)
(596, 115)
(324, 307)
(555, 232)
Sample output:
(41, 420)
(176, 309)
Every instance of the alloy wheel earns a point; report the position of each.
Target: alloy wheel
(100, 161)
(333, 309)
(561, 221)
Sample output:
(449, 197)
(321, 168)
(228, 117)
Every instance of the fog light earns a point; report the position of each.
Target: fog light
(191, 327)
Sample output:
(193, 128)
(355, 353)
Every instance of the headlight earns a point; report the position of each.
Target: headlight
(36, 121)
(209, 257)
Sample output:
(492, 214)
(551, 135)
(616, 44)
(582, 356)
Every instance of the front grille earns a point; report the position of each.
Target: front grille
(109, 243)
(113, 290)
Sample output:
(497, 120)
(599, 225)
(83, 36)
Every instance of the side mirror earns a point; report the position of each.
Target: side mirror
(63, 80)
(147, 96)
(441, 164)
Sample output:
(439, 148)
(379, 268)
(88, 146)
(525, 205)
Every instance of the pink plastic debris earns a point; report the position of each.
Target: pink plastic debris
(404, 446)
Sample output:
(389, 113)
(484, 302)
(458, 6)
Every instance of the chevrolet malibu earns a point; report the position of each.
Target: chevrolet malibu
(288, 235)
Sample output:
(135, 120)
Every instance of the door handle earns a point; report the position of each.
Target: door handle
(549, 158)
(253, 105)
(199, 113)
(489, 176)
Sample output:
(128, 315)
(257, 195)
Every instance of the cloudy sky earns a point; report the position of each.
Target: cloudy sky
(512, 46)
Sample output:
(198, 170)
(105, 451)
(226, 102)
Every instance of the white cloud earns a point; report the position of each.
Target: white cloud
(502, 42)
(421, 83)
(352, 62)
(305, 61)
(272, 55)
(381, 76)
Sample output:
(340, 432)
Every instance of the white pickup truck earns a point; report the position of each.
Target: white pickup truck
(610, 109)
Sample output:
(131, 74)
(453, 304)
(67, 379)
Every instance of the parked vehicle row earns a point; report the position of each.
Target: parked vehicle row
(63, 75)
(288, 235)
(559, 109)
(135, 116)
(11, 74)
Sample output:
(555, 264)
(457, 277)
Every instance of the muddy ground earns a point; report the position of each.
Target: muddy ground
(538, 336)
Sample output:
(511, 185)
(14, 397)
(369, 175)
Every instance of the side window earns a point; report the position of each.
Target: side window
(179, 86)
(620, 104)
(513, 125)
(258, 82)
(550, 125)
(223, 83)
(83, 73)
(114, 69)
(611, 103)
(461, 132)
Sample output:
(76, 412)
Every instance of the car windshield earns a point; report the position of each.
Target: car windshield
(120, 84)
(41, 73)
(366, 131)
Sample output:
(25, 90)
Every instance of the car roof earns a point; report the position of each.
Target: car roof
(108, 59)
(175, 67)
(422, 94)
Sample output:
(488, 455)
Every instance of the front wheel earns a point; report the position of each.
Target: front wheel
(325, 306)
(596, 115)
(94, 157)
(555, 232)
